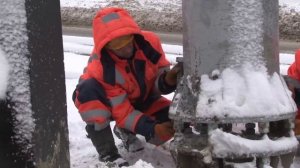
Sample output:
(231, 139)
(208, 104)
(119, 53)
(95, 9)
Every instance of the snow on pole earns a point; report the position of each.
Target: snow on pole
(231, 75)
(33, 117)
(236, 42)
(4, 70)
(16, 112)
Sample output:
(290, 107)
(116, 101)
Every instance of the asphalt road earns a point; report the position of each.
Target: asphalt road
(169, 38)
(172, 38)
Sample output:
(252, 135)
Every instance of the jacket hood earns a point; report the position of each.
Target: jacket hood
(110, 23)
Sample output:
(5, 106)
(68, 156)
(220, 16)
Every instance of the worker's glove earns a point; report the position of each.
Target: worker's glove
(171, 76)
(164, 131)
(297, 127)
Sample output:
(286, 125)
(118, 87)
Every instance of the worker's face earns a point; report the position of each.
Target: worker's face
(124, 52)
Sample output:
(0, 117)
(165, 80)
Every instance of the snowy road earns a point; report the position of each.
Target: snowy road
(172, 38)
(83, 154)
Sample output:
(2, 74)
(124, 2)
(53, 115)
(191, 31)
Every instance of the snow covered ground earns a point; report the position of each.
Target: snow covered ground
(83, 154)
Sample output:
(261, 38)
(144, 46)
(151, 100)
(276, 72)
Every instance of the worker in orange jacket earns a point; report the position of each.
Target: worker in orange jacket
(294, 73)
(126, 74)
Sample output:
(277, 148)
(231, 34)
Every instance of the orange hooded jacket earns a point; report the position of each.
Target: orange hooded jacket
(120, 89)
(294, 72)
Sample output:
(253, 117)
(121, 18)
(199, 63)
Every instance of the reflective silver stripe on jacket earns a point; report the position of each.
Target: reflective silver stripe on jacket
(119, 77)
(118, 99)
(130, 119)
(110, 17)
(88, 115)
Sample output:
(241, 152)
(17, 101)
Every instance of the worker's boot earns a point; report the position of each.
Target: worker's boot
(130, 142)
(105, 145)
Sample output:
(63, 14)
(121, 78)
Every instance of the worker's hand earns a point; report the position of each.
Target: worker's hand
(164, 131)
(171, 76)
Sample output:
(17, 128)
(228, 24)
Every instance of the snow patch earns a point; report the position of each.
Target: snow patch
(244, 92)
(13, 35)
(4, 70)
(141, 164)
(291, 4)
(226, 143)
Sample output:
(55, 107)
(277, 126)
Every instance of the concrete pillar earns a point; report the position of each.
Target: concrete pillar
(34, 130)
(219, 34)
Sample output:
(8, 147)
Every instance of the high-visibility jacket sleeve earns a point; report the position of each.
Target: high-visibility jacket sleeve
(294, 69)
(294, 72)
(163, 66)
(161, 85)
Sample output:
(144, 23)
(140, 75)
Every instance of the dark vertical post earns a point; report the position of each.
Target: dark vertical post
(34, 130)
(47, 83)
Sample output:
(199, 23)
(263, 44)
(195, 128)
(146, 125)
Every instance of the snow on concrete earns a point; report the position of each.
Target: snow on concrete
(4, 70)
(244, 92)
(225, 144)
(13, 43)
